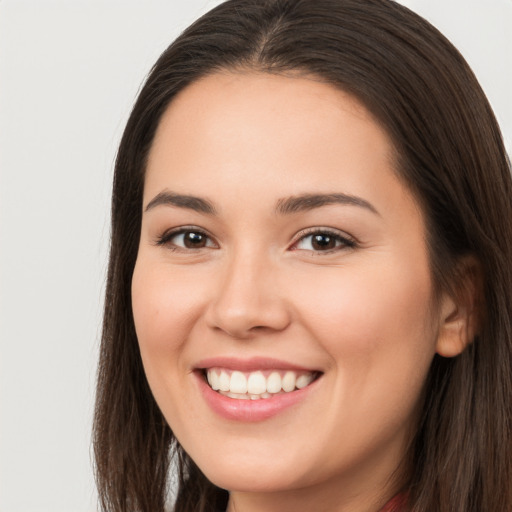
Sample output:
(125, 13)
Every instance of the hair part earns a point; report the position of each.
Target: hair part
(449, 153)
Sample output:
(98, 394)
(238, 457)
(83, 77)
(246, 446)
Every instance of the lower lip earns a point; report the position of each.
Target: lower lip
(251, 410)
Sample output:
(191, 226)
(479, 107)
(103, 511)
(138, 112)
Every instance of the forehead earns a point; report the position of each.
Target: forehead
(221, 101)
(269, 134)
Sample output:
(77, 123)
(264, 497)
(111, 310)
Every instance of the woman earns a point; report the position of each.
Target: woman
(308, 301)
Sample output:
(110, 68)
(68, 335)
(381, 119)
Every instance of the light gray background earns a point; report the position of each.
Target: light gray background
(69, 72)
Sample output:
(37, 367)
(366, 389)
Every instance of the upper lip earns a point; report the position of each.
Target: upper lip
(250, 364)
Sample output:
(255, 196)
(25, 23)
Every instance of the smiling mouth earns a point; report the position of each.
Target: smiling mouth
(256, 385)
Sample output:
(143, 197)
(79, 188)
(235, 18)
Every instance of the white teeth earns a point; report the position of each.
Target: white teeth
(274, 382)
(304, 380)
(256, 384)
(238, 383)
(239, 396)
(213, 380)
(262, 395)
(288, 382)
(224, 381)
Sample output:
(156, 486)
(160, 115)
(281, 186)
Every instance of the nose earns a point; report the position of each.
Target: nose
(248, 299)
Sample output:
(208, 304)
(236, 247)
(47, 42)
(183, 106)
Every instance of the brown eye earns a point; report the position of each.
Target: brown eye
(186, 239)
(194, 240)
(322, 242)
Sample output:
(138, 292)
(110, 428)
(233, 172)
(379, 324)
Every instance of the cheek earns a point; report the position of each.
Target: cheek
(166, 304)
(375, 300)
(373, 319)
(379, 334)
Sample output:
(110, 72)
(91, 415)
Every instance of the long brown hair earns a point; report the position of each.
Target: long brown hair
(450, 154)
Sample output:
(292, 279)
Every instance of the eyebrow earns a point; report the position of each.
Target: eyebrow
(306, 202)
(284, 206)
(197, 204)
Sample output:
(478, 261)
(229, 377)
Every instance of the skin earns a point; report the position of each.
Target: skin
(362, 313)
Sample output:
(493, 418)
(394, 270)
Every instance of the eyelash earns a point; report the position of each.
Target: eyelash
(165, 238)
(343, 242)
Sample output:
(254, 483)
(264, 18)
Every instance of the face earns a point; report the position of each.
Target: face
(282, 259)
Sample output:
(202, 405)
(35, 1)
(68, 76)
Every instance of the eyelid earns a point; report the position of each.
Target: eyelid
(167, 235)
(348, 241)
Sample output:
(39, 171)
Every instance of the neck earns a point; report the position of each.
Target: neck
(328, 497)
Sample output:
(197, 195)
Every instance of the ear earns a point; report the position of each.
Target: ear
(460, 309)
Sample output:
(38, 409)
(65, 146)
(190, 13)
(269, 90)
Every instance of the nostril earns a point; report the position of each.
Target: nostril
(244, 304)
(258, 328)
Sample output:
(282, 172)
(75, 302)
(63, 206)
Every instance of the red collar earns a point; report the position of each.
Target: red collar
(397, 504)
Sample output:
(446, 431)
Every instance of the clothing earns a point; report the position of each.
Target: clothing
(397, 504)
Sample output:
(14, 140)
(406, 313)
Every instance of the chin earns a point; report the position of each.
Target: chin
(251, 472)
(251, 479)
